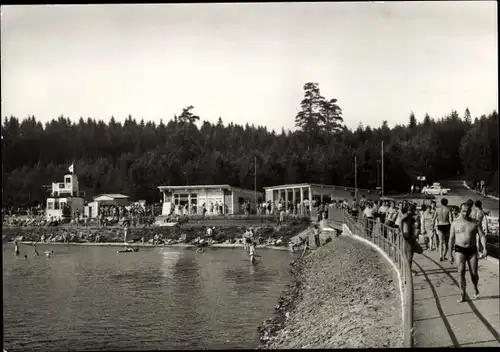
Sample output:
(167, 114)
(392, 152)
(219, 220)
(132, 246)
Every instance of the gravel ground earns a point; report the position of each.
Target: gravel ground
(345, 295)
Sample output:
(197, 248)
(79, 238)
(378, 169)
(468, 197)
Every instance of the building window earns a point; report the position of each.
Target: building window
(68, 180)
(194, 198)
(50, 206)
(183, 198)
(62, 185)
(56, 204)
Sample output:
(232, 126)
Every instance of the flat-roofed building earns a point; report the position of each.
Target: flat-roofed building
(309, 193)
(218, 199)
(110, 199)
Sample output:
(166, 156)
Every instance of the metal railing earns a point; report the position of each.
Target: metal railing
(393, 244)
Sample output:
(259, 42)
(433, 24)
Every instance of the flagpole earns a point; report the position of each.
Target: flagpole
(255, 181)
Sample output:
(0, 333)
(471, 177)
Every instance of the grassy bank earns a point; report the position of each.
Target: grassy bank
(345, 295)
(266, 234)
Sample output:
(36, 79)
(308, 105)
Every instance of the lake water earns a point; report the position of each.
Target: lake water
(92, 298)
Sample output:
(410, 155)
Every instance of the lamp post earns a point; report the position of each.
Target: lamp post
(3, 175)
(378, 174)
(382, 176)
(355, 177)
(255, 182)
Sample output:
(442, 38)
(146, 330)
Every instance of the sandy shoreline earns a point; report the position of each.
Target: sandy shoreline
(344, 295)
(180, 245)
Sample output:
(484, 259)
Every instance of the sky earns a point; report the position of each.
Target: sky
(248, 62)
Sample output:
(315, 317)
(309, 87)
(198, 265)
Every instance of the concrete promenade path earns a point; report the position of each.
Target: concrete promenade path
(440, 321)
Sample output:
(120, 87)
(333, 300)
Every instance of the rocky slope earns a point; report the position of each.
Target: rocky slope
(345, 295)
(266, 234)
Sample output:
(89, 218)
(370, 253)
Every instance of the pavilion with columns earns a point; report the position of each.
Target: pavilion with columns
(313, 191)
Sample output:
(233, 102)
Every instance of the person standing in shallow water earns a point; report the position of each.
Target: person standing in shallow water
(253, 252)
(317, 241)
(16, 248)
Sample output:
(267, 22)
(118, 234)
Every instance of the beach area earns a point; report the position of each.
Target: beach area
(180, 236)
(344, 295)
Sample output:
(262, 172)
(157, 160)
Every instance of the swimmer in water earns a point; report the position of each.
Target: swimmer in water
(48, 254)
(25, 256)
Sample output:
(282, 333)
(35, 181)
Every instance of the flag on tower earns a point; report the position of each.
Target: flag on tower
(71, 168)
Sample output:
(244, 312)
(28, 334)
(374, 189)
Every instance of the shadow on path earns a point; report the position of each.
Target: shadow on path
(486, 323)
(452, 335)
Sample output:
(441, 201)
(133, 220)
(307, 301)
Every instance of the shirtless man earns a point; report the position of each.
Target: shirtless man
(246, 241)
(442, 220)
(463, 244)
(477, 214)
(434, 235)
(16, 248)
(427, 226)
(253, 252)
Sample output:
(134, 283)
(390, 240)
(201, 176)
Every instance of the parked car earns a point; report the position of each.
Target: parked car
(435, 189)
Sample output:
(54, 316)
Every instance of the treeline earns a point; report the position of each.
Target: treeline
(135, 157)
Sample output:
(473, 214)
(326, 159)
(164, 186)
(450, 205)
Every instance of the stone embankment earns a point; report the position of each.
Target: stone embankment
(344, 295)
(228, 235)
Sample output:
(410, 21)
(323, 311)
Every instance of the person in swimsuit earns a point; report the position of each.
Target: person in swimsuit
(305, 242)
(244, 239)
(463, 245)
(253, 253)
(442, 219)
(427, 226)
(477, 214)
(470, 203)
(34, 248)
(434, 235)
(408, 231)
(16, 248)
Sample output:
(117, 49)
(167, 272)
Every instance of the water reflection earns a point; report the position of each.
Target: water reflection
(170, 259)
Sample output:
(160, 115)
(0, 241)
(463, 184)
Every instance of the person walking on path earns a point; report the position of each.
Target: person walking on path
(369, 218)
(427, 227)
(443, 220)
(463, 245)
(478, 214)
(409, 232)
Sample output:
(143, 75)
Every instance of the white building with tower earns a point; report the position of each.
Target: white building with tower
(65, 193)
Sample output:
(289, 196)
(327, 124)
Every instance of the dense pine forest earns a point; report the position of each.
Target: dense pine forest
(135, 157)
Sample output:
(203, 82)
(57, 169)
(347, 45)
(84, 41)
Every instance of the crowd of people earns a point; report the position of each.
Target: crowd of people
(456, 232)
(108, 215)
(480, 188)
